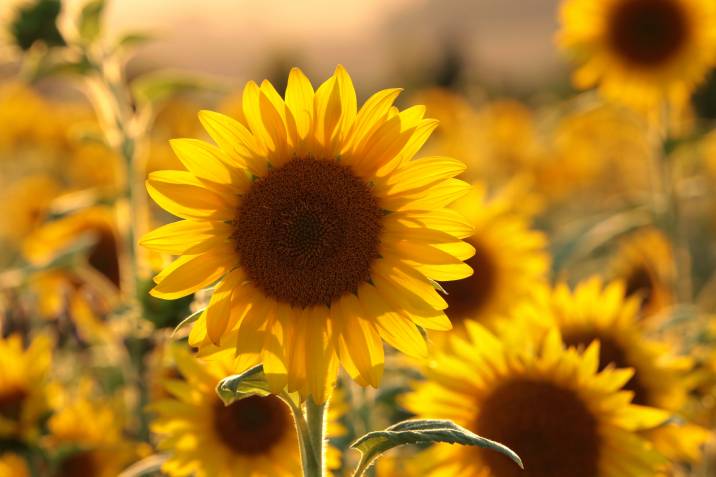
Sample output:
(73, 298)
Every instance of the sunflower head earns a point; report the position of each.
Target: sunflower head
(254, 436)
(96, 225)
(645, 262)
(26, 204)
(510, 261)
(547, 402)
(323, 233)
(640, 51)
(13, 465)
(88, 433)
(595, 312)
(23, 399)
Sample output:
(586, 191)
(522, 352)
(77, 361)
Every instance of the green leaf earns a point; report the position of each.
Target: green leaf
(151, 464)
(240, 386)
(90, 21)
(421, 431)
(160, 86)
(133, 39)
(36, 21)
(188, 320)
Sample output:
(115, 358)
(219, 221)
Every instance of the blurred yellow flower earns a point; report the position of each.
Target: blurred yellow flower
(26, 204)
(54, 144)
(87, 431)
(86, 290)
(498, 140)
(549, 404)
(595, 150)
(510, 263)
(645, 262)
(13, 465)
(95, 225)
(251, 437)
(640, 52)
(602, 313)
(23, 398)
(322, 231)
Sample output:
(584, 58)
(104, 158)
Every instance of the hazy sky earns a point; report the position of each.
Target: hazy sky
(510, 40)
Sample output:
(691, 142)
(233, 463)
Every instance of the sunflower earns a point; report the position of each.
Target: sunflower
(84, 292)
(547, 403)
(598, 312)
(87, 432)
(13, 465)
(640, 52)
(203, 437)
(323, 232)
(52, 146)
(96, 225)
(510, 262)
(645, 262)
(596, 149)
(497, 139)
(23, 400)
(26, 204)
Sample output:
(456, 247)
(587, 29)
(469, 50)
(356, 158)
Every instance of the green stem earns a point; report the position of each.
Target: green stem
(668, 209)
(310, 427)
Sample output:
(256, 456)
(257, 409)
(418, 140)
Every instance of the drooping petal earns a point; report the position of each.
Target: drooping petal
(190, 273)
(183, 195)
(187, 236)
(362, 340)
(218, 313)
(398, 331)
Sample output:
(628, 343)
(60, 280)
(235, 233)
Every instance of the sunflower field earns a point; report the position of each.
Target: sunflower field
(363, 238)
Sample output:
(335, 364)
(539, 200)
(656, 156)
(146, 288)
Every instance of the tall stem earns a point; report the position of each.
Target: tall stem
(667, 207)
(311, 430)
(113, 104)
(316, 420)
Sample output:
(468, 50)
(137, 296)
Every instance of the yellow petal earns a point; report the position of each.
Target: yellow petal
(320, 358)
(423, 173)
(235, 140)
(446, 220)
(190, 273)
(209, 162)
(275, 127)
(371, 114)
(187, 237)
(299, 99)
(409, 282)
(362, 340)
(183, 195)
(398, 331)
(219, 310)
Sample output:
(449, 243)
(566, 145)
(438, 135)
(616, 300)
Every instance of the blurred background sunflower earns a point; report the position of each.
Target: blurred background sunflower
(583, 178)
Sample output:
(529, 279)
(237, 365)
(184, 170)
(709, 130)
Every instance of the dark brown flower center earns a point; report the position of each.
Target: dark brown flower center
(308, 232)
(610, 352)
(639, 283)
(467, 298)
(11, 402)
(81, 464)
(104, 257)
(647, 33)
(549, 427)
(253, 425)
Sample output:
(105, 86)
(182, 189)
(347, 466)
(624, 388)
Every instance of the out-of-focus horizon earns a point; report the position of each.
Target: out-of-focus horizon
(429, 40)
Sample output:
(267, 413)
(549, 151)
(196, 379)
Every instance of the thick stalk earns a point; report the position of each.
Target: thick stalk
(310, 428)
(113, 105)
(316, 421)
(667, 207)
